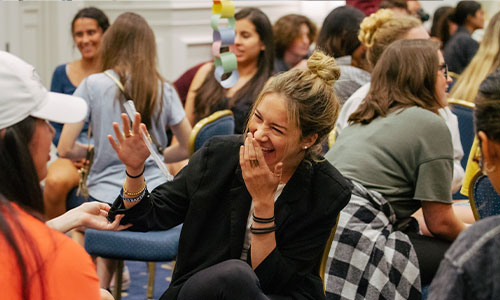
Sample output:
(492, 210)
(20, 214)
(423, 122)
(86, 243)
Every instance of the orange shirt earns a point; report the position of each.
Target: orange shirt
(67, 271)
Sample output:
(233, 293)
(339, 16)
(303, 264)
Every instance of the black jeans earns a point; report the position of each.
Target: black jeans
(430, 252)
(228, 280)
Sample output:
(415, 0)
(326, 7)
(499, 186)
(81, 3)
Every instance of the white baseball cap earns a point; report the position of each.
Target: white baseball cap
(22, 94)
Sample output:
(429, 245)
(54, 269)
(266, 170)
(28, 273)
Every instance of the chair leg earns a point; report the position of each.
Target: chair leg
(151, 280)
(117, 293)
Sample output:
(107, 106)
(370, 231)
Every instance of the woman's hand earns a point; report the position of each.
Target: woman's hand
(130, 146)
(260, 181)
(89, 215)
(94, 215)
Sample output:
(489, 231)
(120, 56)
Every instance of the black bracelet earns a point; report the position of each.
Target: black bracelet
(263, 230)
(137, 175)
(262, 220)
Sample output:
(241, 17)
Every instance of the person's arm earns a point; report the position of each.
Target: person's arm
(179, 150)
(89, 215)
(441, 220)
(261, 183)
(195, 85)
(68, 147)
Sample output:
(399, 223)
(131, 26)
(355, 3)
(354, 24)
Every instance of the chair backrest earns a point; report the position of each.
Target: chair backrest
(219, 123)
(484, 200)
(464, 112)
(324, 258)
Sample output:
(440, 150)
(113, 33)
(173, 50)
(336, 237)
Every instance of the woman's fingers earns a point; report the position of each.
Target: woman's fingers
(136, 124)
(259, 156)
(118, 133)
(126, 125)
(113, 143)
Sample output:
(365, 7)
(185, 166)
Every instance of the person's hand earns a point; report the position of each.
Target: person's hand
(260, 181)
(130, 146)
(94, 215)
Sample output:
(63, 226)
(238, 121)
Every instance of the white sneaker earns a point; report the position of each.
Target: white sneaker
(125, 280)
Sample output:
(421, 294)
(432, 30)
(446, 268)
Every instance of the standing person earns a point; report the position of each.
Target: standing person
(130, 36)
(399, 155)
(471, 267)
(461, 47)
(293, 35)
(87, 28)
(257, 211)
(37, 261)
(254, 50)
(339, 38)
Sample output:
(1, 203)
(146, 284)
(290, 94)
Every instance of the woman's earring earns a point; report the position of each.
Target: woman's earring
(488, 169)
(305, 148)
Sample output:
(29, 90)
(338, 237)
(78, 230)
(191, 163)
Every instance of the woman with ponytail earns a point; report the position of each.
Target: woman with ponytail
(257, 209)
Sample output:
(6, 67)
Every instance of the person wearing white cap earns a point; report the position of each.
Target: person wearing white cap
(31, 252)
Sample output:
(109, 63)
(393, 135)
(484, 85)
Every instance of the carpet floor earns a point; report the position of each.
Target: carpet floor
(139, 279)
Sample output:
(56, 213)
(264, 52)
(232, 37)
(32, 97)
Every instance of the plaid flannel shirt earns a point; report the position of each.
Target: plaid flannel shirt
(369, 258)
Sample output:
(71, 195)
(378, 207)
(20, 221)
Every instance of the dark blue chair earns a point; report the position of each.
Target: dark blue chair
(464, 112)
(219, 123)
(484, 200)
(151, 246)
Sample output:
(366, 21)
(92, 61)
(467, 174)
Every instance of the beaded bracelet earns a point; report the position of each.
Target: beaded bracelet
(135, 199)
(134, 194)
(263, 230)
(262, 220)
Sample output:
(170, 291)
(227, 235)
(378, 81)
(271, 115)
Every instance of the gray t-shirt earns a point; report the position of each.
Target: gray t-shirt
(108, 172)
(405, 156)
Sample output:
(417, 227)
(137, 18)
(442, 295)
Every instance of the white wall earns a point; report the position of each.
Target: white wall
(39, 31)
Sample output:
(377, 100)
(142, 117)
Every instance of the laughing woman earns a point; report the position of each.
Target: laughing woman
(257, 210)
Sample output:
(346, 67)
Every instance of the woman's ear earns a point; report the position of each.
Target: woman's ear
(308, 141)
(490, 150)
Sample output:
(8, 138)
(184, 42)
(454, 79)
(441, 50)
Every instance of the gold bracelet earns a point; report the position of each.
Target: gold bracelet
(134, 194)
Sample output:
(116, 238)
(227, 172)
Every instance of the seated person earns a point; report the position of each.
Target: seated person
(377, 32)
(293, 35)
(339, 38)
(257, 210)
(471, 268)
(37, 261)
(398, 153)
(461, 47)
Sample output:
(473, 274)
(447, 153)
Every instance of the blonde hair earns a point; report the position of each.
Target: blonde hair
(311, 101)
(486, 60)
(382, 28)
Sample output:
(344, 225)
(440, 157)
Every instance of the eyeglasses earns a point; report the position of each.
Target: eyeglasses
(444, 68)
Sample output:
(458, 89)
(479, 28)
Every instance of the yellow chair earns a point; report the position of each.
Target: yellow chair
(324, 258)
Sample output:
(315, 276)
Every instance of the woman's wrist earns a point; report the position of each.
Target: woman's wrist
(135, 172)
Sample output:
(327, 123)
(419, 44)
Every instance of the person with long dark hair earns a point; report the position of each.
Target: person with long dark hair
(37, 261)
(461, 47)
(123, 78)
(254, 50)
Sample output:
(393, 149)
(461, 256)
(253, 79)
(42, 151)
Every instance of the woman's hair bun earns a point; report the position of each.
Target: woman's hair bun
(370, 24)
(323, 66)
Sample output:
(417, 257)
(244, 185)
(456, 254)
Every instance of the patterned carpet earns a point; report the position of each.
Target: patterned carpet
(139, 279)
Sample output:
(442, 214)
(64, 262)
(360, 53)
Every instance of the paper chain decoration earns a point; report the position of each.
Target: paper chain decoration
(225, 62)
